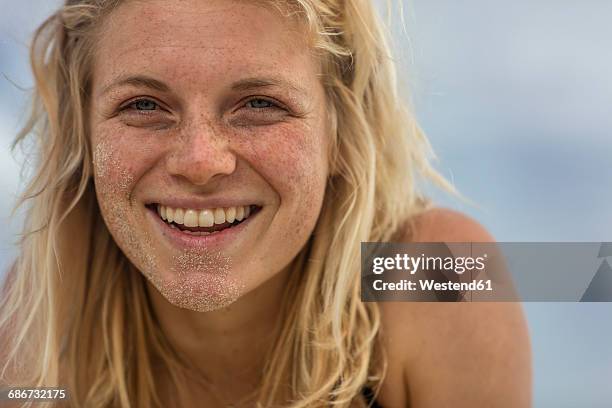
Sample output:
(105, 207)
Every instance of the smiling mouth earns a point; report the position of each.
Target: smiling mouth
(205, 221)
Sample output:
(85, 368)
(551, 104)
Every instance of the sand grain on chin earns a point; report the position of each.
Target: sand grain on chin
(201, 281)
(201, 293)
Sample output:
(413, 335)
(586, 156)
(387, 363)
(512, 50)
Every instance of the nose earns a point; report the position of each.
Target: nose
(201, 153)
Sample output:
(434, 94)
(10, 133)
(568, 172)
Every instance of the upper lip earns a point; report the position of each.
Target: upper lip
(201, 203)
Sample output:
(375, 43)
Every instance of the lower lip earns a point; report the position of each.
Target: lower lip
(216, 240)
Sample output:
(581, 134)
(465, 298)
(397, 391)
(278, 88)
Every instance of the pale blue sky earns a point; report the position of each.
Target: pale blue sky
(516, 98)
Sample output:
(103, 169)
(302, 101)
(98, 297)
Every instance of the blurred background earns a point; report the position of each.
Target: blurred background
(516, 98)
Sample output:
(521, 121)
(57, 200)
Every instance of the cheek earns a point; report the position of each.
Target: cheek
(294, 162)
(119, 162)
(115, 177)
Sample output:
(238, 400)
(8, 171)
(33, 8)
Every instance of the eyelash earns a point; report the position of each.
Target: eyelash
(131, 104)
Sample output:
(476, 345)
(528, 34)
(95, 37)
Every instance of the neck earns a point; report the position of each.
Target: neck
(225, 346)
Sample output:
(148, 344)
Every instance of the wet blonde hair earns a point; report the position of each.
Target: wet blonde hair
(76, 310)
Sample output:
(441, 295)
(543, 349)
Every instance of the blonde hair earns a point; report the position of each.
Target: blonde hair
(68, 299)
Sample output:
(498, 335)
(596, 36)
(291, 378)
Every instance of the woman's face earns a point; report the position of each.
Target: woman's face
(207, 111)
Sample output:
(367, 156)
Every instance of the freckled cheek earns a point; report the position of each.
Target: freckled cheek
(296, 167)
(119, 162)
(117, 169)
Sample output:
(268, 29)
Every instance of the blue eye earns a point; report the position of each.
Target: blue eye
(144, 105)
(259, 103)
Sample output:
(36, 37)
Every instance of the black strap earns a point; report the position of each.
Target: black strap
(368, 394)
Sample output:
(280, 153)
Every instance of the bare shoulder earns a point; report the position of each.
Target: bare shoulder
(446, 225)
(455, 354)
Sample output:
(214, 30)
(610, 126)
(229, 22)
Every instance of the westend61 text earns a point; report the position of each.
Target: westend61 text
(430, 284)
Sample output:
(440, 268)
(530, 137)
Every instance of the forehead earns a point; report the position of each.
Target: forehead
(191, 38)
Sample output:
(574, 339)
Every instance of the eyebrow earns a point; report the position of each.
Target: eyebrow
(142, 81)
(255, 83)
(241, 85)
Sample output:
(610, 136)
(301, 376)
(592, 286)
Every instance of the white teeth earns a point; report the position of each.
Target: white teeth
(179, 216)
(191, 218)
(219, 216)
(230, 214)
(239, 213)
(205, 217)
